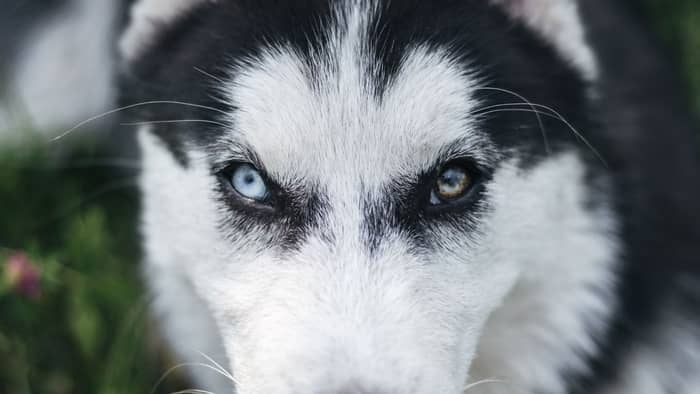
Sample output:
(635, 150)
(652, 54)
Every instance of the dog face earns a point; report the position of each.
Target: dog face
(372, 197)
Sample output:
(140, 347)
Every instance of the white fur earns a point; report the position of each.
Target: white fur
(557, 21)
(182, 316)
(419, 115)
(333, 317)
(566, 254)
(147, 16)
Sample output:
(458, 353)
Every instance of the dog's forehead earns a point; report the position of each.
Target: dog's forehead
(331, 112)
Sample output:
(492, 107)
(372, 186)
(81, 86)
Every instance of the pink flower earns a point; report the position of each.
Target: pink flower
(23, 276)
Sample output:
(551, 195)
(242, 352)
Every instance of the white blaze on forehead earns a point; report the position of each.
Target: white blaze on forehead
(313, 118)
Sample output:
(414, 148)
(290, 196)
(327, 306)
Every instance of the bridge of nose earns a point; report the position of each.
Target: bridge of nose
(360, 387)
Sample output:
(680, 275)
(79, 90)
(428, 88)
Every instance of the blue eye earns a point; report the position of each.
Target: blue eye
(248, 182)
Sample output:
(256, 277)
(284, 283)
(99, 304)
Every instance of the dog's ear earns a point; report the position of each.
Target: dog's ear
(146, 18)
(558, 22)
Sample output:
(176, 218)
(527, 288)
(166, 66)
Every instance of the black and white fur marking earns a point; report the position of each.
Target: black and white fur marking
(573, 268)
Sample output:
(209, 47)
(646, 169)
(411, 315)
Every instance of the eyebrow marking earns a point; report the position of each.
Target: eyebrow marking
(479, 150)
(229, 149)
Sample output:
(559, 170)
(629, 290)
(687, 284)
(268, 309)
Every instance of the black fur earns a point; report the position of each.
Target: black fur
(203, 44)
(285, 218)
(636, 121)
(511, 57)
(406, 209)
(652, 150)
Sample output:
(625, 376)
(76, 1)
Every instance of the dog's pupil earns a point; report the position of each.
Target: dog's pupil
(453, 180)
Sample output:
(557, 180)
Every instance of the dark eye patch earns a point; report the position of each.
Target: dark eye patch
(283, 221)
(405, 208)
(268, 204)
(449, 174)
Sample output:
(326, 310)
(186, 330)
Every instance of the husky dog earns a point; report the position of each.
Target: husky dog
(447, 196)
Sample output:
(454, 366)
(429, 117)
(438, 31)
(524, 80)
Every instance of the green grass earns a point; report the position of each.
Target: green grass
(678, 24)
(88, 332)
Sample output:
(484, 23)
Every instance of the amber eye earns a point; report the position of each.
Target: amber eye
(452, 183)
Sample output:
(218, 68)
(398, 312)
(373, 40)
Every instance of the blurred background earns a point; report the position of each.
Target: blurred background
(73, 312)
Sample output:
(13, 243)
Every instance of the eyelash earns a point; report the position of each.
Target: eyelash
(270, 203)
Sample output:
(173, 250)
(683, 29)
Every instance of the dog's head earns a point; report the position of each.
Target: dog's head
(376, 196)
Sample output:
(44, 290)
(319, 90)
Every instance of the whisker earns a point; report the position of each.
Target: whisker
(152, 122)
(556, 115)
(180, 366)
(221, 369)
(577, 133)
(541, 113)
(528, 102)
(192, 391)
(482, 382)
(509, 105)
(141, 104)
(215, 78)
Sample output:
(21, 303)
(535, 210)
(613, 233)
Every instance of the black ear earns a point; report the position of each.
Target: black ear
(146, 18)
(559, 22)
